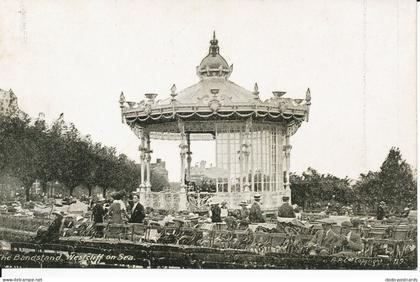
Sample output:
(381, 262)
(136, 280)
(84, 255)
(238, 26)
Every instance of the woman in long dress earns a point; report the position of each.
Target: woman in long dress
(116, 210)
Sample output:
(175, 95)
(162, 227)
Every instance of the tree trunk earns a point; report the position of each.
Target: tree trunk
(104, 192)
(90, 190)
(27, 193)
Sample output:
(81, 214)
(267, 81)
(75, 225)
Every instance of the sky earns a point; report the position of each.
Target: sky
(357, 57)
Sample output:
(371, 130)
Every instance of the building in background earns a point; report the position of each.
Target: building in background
(159, 168)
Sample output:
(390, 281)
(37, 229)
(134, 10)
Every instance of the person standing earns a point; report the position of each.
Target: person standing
(115, 210)
(137, 211)
(224, 211)
(130, 200)
(380, 212)
(286, 210)
(255, 213)
(98, 213)
(215, 212)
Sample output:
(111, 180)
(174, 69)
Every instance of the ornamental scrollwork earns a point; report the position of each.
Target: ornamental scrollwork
(293, 127)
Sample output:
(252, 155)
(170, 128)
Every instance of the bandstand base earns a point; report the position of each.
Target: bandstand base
(193, 201)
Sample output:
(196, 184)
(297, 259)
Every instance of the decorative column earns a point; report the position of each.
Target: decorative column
(142, 190)
(280, 160)
(183, 152)
(287, 149)
(253, 147)
(148, 159)
(189, 158)
(246, 149)
(241, 161)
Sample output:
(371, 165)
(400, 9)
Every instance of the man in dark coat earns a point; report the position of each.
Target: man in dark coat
(255, 213)
(98, 213)
(286, 210)
(137, 211)
(215, 211)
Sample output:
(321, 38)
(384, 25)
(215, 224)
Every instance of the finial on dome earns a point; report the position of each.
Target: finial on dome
(213, 65)
(214, 47)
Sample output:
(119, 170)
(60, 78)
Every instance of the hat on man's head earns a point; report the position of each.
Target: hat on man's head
(257, 197)
(346, 224)
(285, 198)
(243, 203)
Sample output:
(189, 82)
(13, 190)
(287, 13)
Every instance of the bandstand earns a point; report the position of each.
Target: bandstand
(252, 136)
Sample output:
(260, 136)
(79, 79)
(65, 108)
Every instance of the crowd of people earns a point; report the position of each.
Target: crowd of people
(219, 211)
(113, 211)
(121, 210)
(326, 241)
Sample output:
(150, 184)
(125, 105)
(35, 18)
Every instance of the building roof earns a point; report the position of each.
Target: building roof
(200, 93)
(214, 97)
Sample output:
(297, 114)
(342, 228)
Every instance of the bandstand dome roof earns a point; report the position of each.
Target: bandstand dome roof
(214, 65)
(229, 92)
(215, 97)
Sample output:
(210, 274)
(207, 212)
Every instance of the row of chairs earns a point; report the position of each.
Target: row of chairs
(215, 237)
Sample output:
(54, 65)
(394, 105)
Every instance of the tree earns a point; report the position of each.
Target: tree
(32, 152)
(312, 189)
(158, 182)
(397, 183)
(368, 189)
(394, 183)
